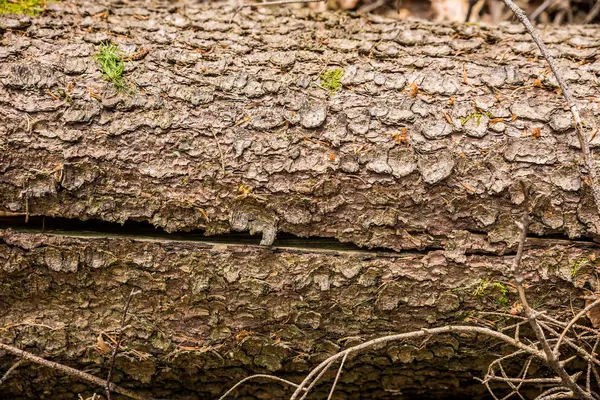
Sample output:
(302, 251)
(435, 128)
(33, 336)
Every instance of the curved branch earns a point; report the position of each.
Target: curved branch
(274, 378)
(413, 335)
(572, 322)
(71, 371)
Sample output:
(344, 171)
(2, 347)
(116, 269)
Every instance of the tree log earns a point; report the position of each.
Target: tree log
(226, 126)
(414, 158)
(211, 314)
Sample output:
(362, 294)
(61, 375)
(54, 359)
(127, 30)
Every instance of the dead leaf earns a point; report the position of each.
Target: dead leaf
(412, 89)
(536, 133)
(448, 118)
(594, 313)
(243, 334)
(516, 309)
(400, 137)
(102, 346)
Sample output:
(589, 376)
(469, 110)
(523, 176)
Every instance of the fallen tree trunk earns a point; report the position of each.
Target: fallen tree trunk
(226, 127)
(407, 138)
(211, 314)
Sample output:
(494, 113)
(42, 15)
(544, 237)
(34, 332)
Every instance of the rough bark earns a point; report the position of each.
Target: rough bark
(225, 128)
(217, 106)
(211, 314)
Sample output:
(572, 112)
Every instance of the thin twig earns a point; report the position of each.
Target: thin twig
(367, 8)
(220, 155)
(541, 9)
(70, 371)
(337, 377)
(120, 337)
(10, 371)
(520, 380)
(316, 380)
(596, 375)
(274, 378)
(572, 322)
(551, 357)
(588, 378)
(593, 12)
(579, 349)
(416, 334)
(508, 380)
(583, 142)
(550, 391)
(563, 395)
(525, 370)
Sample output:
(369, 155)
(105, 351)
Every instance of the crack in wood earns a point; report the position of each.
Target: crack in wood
(144, 231)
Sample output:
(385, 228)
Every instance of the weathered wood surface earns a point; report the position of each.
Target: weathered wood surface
(228, 130)
(217, 106)
(211, 314)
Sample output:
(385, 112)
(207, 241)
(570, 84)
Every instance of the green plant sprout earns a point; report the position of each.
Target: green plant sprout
(110, 60)
(577, 265)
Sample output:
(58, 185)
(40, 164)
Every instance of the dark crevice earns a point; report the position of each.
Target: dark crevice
(145, 230)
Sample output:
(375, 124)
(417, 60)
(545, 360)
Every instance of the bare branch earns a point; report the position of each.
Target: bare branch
(418, 334)
(572, 322)
(593, 12)
(314, 382)
(562, 395)
(71, 371)
(583, 142)
(544, 395)
(520, 380)
(120, 337)
(541, 9)
(551, 357)
(10, 371)
(574, 346)
(337, 377)
(274, 378)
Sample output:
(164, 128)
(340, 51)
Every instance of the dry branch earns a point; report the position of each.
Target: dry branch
(10, 371)
(71, 371)
(411, 335)
(257, 376)
(113, 357)
(579, 129)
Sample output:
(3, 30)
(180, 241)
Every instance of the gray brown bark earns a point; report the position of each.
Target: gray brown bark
(217, 106)
(211, 314)
(227, 130)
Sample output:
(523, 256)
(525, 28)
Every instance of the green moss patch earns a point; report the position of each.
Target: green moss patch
(477, 115)
(28, 7)
(332, 80)
(493, 289)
